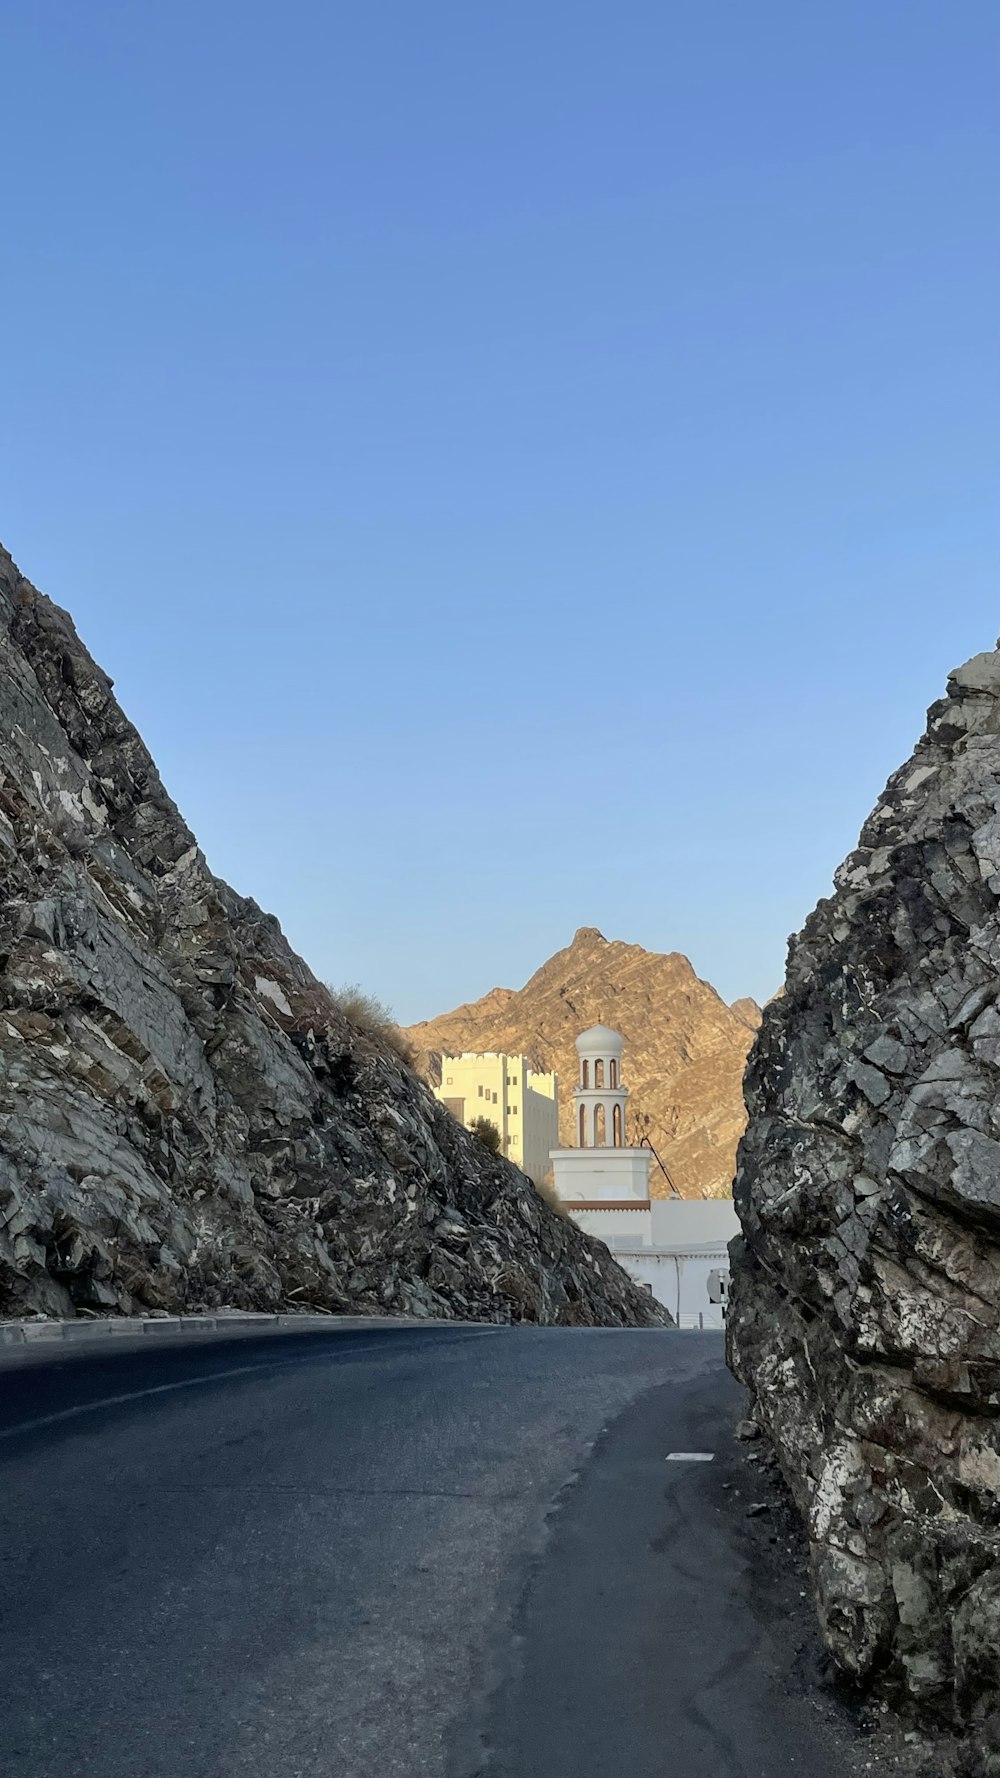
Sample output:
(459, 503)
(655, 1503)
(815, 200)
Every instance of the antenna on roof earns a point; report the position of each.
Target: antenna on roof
(645, 1143)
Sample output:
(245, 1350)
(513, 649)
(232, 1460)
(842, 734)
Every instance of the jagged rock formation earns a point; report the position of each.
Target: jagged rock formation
(865, 1312)
(748, 1012)
(186, 1119)
(684, 1060)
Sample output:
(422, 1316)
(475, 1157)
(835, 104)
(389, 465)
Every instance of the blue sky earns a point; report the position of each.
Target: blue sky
(525, 465)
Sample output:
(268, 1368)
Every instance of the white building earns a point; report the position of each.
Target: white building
(675, 1246)
(522, 1105)
(685, 1260)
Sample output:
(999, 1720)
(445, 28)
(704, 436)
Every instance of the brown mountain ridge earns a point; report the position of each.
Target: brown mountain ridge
(684, 1057)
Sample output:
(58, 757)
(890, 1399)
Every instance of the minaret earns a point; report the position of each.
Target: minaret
(599, 1097)
(601, 1173)
(604, 1187)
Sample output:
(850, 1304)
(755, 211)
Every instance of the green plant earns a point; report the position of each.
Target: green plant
(487, 1133)
(372, 1018)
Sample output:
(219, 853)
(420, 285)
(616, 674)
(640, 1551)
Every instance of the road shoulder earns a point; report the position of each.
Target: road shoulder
(651, 1635)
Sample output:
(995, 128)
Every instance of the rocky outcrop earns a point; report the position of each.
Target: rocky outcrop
(684, 1057)
(186, 1118)
(865, 1309)
(748, 1012)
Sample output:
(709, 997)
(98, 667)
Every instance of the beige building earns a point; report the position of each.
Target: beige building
(523, 1105)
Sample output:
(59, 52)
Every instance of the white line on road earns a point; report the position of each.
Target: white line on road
(115, 1401)
(243, 1370)
(689, 1457)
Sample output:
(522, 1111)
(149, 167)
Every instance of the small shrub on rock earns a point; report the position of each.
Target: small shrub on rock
(372, 1018)
(487, 1133)
(548, 1191)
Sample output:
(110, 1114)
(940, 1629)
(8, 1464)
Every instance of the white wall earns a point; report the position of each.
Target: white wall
(687, 1222)
(630, 1226)
(601, 1173)
(678, 1280)
(688, 1242)
(539, 1122)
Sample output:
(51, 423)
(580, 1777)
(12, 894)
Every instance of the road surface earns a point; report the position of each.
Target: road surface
(441, 1552)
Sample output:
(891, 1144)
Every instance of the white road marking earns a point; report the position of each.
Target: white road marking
(115, 1401)
(689, 1457)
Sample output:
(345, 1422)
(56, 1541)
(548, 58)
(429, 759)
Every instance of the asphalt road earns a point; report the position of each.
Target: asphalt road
(402, 1553)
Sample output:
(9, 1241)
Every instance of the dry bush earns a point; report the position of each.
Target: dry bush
(372, 1018)
(548, 1191)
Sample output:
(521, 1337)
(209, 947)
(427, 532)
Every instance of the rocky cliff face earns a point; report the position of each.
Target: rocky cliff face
(865, 1313)
(186, 1120)
(683, 1063)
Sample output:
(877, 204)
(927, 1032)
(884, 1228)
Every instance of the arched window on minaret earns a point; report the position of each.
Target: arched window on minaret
(585, 1074)
(613, 1069)
(617, 1122)
(583, 1123)
(599, 1072)
(600, 1127)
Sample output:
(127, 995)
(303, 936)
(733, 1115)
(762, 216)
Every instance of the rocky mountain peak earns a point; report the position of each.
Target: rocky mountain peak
(684, 1056)
(748, 1011)
(586, 937)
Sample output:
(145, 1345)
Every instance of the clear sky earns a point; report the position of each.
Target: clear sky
(525, 463)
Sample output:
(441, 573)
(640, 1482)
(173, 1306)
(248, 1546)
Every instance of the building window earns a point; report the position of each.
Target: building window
(617, 1123)
(583, 1126)
(449, 1082)
(480, 1092)
(600, 1127)
(585, 1073)
(613, 1071)
(494, 1098)
(598, 1073)
(513, 1111)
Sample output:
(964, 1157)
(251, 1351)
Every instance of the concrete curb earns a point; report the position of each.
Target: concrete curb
(89, 1330)
(21, 1338)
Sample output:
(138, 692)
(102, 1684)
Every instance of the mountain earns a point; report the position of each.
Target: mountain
(748, 1013)
(187, 1118)
(865, 1297)
(685, 1049)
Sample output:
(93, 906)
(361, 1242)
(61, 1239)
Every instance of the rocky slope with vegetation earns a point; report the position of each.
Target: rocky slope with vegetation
(684, 1056)
(187, 1118)
(865, 1308)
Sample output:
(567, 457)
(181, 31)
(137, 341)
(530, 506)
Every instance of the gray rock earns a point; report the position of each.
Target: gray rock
(187, 1120)
(869, 1336)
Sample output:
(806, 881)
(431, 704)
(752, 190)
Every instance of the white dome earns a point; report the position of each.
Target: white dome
(600, 1040)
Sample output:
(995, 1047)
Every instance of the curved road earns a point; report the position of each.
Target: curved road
(436, 1552)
